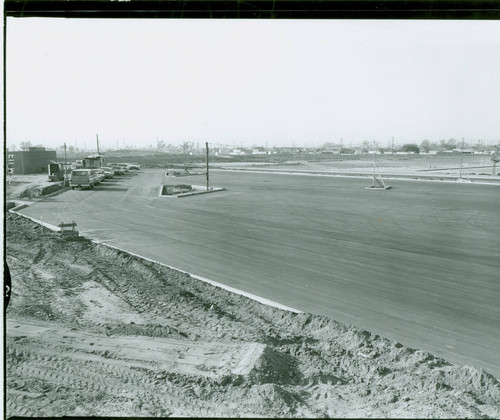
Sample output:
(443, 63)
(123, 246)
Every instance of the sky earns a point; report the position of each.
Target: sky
(250, 82)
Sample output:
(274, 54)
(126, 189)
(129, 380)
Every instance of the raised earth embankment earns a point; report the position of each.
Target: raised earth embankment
(92, 331)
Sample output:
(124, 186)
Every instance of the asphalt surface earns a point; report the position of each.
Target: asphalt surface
(419, 263)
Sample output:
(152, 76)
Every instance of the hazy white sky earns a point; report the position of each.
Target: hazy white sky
(248, 82)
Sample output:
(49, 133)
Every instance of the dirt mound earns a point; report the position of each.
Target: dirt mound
(96, 332)
(30, 186)
(38, 191)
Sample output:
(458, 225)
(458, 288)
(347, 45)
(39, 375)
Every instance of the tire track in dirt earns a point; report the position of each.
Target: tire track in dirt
(308, 366)
(96, 377)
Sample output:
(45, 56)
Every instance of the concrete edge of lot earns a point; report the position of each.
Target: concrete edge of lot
(259, 299)
(401, 177)
(197, 191)
(40, 222)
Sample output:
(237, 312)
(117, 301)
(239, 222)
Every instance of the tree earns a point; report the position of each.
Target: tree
(450, 144)
(411, 147)
(425, 145)
(160, 145)
(25, 145)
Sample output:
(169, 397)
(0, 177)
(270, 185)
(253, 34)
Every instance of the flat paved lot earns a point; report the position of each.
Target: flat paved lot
(419, 263)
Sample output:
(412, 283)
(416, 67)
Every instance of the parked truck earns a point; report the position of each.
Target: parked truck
(56, 171)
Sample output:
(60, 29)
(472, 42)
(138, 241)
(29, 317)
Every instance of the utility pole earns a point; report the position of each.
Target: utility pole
(97, 137)
(206, 144)
(373, 162)
(461, 159)
(65, 166)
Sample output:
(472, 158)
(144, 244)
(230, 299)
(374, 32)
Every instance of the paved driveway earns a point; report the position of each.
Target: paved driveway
(419, 263)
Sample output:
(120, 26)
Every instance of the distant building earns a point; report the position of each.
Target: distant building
(259, 151)
(35, 160)
(237, 152)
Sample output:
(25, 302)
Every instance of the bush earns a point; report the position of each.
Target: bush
(410, 148)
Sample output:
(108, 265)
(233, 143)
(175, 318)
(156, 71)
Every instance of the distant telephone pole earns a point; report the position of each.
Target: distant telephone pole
(65, 166)
(97, 137)
(206, 145)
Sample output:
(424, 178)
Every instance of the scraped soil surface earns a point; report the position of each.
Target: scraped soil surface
(92, 331)
(30, 186)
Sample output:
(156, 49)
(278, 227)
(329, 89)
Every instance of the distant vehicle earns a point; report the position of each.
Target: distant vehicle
(118, 170)
(83, 178)
(134, 166)
(108, 171)
(100, 174)
(124, 166)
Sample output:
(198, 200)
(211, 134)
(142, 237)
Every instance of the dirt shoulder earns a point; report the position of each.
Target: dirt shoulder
(92, 331)
(29, 186)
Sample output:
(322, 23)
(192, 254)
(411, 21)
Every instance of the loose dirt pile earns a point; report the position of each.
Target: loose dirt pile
(93, 331)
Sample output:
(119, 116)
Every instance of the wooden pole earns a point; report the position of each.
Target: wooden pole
(65, 167)
(373, 162)
(461, 159)
(206, 144)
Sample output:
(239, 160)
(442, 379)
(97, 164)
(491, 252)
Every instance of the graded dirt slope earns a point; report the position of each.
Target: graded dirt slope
(93, 331)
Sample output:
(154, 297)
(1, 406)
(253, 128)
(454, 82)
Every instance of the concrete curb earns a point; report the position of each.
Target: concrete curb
(399, 177)
(18, 207)
(188, 194)
(203, 279)
(63, 189)
(200, 192)
(47, 225)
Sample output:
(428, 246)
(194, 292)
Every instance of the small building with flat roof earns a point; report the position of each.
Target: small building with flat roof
(35, 160)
